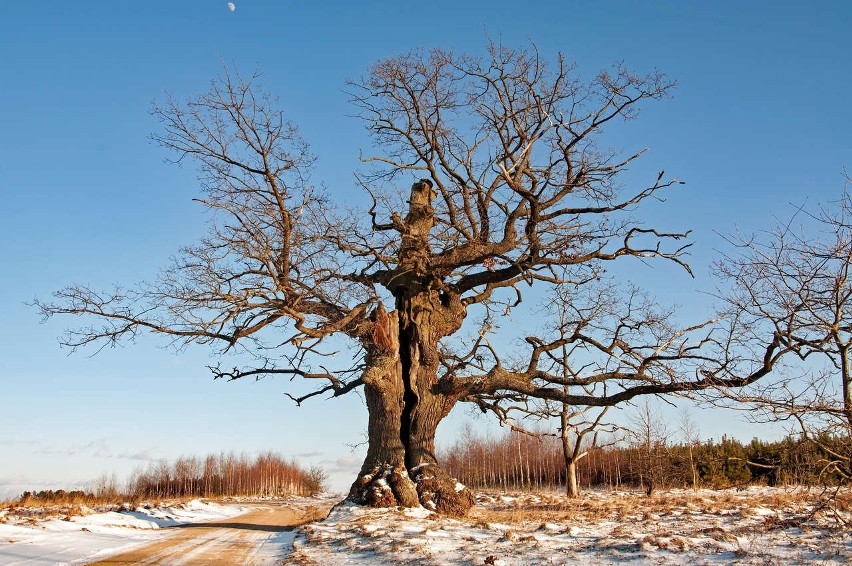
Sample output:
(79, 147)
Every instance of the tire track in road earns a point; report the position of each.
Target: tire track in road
(255, 538)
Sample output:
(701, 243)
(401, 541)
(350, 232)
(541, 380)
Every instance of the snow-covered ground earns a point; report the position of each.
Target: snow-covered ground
(77, 539)
(752, 526)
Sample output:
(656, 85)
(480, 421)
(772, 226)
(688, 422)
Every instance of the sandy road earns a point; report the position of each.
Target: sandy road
(257, 537)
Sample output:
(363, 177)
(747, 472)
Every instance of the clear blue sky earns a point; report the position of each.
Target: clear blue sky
(761, 119)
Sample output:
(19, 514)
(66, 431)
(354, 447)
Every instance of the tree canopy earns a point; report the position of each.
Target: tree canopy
(513, 186)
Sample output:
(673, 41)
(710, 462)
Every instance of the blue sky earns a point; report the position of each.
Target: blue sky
(760, 120)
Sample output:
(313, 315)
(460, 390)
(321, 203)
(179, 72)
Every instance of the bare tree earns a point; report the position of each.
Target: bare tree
(574, 430)
(689, 434)
(579, 428)
(792, 284)
(602, 331)
(516, 190)
(648, 433)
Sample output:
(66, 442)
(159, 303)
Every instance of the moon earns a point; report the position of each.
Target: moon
(232, 6)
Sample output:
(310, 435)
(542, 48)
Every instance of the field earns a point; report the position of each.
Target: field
(756, 525)
(750, 526)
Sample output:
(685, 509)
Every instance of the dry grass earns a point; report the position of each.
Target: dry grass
(627, 507)
(30, 510)
(755, 526)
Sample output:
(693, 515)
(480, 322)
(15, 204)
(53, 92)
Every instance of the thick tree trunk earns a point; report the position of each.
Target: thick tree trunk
(404, 412)
(401, 467)
(436, 489)
(383, 480)
(402, 371)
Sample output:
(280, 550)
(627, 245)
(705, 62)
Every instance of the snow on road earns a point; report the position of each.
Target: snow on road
(79, 539)
(260, 537)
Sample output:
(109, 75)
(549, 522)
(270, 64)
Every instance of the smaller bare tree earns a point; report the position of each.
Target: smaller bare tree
(580, 429)
(602, 337)
(792, 285)
(649, 435)
(575, 426)
(689, 433)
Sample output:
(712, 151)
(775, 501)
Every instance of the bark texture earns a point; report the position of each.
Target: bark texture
(401, 377)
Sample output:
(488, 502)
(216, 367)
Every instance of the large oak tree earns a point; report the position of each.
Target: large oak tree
(515, 189)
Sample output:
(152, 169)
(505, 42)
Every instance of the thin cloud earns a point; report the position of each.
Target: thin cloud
(147, 455)
(309, 454)
(101, 448)
(342, 464)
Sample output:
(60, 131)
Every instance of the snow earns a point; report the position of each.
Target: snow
(678, 527)
(751, 526)
(82, 538)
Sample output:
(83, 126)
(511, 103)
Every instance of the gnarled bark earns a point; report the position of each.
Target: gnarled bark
(404, 412)
(400, 381)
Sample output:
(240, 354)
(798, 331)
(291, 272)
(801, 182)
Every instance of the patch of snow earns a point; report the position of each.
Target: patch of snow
(274, 547)
(418, 512)
(87, 537)
(412, 529)
(575, 531)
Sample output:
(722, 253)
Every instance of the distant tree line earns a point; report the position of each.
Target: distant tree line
(517, 461)
(266, 475)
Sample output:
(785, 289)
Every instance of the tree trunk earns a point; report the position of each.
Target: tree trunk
(404, 412)
(402, 371)
(572, 488)
(846, 382)
(693, 468)
(383, 480)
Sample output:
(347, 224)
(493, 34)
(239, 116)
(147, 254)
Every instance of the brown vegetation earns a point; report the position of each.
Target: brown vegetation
(32, 507)
(629, 507)
(214, 476)
(518, 461)
(267, 475)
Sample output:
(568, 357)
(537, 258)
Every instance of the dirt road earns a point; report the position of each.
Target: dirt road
(258, 537)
